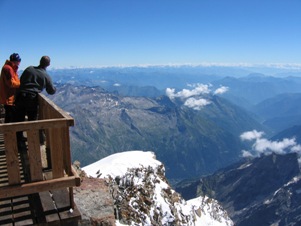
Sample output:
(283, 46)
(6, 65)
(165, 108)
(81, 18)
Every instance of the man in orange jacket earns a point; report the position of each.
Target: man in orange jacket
(9, 83)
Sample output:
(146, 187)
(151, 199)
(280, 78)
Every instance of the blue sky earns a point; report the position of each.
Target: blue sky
(88, 33)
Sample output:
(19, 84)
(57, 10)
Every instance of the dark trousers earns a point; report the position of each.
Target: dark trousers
(26, 104)
(9, 113)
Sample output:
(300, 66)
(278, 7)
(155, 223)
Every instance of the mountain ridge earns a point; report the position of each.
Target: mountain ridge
(106, 123)
(260, 191)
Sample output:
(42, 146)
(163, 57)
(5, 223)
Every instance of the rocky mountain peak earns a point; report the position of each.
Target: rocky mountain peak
(142, 195)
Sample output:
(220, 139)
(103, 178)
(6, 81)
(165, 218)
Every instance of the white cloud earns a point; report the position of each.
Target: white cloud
(246, 154)
(264, 146)
(198, 89)
(297, 148)
(170, 92)
(197, 96)
(194, 98)
(251, 135)
(196, 104)
(221, 90)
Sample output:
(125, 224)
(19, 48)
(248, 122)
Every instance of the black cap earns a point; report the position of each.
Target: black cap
(15, 57)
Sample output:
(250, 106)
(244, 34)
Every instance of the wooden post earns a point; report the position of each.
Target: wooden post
(34, 155)
(56, 144)
(12, 161)
(67, 150)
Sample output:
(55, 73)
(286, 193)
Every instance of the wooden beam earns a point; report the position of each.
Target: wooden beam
(56, 109)
(36, 187)
(74, 173)
(37, 125)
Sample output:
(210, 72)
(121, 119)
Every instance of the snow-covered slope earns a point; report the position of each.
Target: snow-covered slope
(143, 196)
(118, 164)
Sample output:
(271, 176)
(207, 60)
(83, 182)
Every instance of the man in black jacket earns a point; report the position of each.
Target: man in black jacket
(32, 81)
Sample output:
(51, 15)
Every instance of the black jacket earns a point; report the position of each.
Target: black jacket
(35, 80)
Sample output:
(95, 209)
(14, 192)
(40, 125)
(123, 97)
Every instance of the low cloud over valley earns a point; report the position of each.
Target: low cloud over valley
(197, 96)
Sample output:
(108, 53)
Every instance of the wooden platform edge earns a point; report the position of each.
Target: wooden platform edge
(36, 187)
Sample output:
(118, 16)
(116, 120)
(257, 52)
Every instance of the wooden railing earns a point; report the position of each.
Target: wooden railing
(55, 123)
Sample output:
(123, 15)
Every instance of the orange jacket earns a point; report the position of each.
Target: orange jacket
(9, 82)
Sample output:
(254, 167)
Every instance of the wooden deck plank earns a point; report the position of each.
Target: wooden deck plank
(3, 165)
(22, 214)
(2, 154)
(49, 208)
(36, 208)
(6, 212)
(66, 212)
(61, 198)
(3, 169)
(3, 180)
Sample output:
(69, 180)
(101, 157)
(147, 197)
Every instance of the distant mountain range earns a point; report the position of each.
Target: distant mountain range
(291, 132)
(280, 112)
(247, 86)
(250, 84)
(255, 88)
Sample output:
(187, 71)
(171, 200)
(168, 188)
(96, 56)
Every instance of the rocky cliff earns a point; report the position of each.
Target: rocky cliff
(141, 195)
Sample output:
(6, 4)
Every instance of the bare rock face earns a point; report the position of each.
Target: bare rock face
(94, 201)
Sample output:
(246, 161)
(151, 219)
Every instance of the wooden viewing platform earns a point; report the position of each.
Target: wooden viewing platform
(36, 181)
